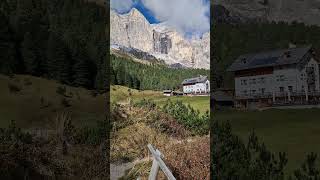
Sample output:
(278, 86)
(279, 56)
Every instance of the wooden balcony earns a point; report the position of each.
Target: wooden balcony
(276, 95)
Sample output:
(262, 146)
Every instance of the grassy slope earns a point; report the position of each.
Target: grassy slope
(121, 93)
(26, 109)
(293, 131)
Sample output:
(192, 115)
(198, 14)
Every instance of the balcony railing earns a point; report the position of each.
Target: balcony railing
(276, 94)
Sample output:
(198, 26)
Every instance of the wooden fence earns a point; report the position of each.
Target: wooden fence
(158, 163)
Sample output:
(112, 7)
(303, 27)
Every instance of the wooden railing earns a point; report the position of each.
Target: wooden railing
(158, 163)
(277, 94)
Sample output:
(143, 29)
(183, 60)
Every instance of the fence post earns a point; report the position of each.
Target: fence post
(158, 162)
(154, 170)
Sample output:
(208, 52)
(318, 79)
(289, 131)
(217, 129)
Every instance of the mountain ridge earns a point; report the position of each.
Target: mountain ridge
(133, 30)
(307, 12)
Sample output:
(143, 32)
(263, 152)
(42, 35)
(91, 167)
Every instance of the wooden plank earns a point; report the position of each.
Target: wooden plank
(154, 170)
(157, 157)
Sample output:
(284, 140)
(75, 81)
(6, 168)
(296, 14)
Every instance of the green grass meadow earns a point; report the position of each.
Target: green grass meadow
(121, 93)
(294, 131)
(37, 103)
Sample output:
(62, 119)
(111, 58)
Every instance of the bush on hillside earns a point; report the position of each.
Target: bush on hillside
(27, 82)
(232, 159)
(14, 88)
(92, 135)
(189, 117)
(65, 102)
(310, 169)
(146, 103)
(61, 90)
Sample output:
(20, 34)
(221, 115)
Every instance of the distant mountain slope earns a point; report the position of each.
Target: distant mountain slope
(134, 31)
(130, 73)
(306, 11)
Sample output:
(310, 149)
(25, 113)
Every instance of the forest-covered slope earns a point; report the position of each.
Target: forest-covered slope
(153, 76)
(62, 40)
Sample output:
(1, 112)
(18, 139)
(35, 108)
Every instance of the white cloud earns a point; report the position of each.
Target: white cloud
(121, 6)
(187, 16)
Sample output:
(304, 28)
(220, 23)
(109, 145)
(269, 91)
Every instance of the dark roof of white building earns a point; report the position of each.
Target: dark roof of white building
(271, 58)
(199, 79)
(167, 91)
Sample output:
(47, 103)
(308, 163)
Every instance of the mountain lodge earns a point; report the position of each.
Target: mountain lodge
(196, 86)
(288, 76)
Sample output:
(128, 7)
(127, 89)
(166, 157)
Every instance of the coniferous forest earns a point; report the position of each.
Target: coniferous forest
(55, 39)
(136, 75)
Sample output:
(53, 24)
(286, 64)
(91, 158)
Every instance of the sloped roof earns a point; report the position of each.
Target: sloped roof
(199, 79)
(269, 59)
(167, 91)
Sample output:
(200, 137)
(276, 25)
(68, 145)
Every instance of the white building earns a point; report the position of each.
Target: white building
(167, 93)
(280, 76)
(198, 85)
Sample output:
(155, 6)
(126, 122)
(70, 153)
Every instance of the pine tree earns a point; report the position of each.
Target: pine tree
(113, 79)
(120, 74)
(57, 59)
(8, 61)
(81, 72)
(30, 55)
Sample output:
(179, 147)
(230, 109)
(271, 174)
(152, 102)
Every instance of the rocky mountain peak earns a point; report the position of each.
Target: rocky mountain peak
(135, 13)
(159, 40)
(305, 11)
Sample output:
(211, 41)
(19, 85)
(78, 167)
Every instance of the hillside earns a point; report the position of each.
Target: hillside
(168, 123)
(50, 130)
(39, 38)
(307, 12)
(281, 131)
(130, 73)
(35, 102)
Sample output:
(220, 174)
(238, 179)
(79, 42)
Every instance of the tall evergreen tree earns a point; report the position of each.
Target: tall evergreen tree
(30, 54)
(8, 61)
(81, 72)
(57, 58)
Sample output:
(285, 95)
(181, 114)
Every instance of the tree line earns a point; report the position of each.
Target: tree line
(155, 76)
(55, 39)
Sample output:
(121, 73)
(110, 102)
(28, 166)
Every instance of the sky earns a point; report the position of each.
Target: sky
(190, 17)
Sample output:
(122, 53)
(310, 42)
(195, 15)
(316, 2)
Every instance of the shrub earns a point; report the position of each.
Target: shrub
(232, 159)
(91, 135)
(27, 82)
(309, 168)
(61, 90)
(189, 117)
(146, 103)
(65, 102)
(94, 93)
(14, 134)
(13, 88)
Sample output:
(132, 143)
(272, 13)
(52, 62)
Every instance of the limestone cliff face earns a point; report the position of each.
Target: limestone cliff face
(133, 30)
(306, 11)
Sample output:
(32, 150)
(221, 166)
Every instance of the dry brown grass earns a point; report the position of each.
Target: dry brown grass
(131, 142)
(188, 157)
(190, 160)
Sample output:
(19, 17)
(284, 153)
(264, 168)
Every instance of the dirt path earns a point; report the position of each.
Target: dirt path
(118, 170)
